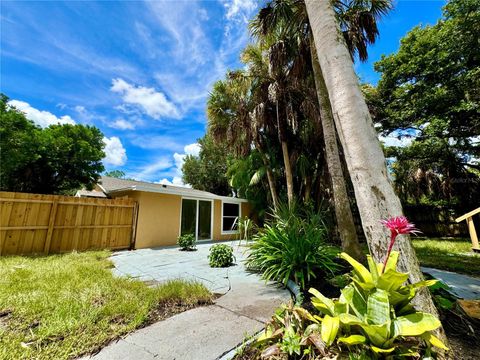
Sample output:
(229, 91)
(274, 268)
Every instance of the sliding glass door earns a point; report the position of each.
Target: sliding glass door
(189, 216)
(204, 220)
(196, 218)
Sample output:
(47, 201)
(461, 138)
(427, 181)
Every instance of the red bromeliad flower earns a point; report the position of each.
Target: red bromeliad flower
(398, 225)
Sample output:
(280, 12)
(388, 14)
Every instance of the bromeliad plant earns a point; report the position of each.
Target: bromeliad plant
(398, 226)
(374, 312)
(373, 318)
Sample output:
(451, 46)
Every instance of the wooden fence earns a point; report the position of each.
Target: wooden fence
(33, 223)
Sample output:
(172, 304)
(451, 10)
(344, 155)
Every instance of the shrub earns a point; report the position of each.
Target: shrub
(293, 247)
(221, 255)
(372, 319)
(187, 242)
(246, 228)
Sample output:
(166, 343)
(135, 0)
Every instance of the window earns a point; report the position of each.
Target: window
(230, 215)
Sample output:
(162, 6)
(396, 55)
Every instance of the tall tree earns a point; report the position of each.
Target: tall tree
(358, 25)
(429, 92)
(229, 110)
(374, 192)
(58, 159)
(207, 171)
(119, 174)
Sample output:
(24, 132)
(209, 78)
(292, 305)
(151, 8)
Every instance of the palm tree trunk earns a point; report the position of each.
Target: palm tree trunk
(365, 160)
(286, 159)
(273, 188)
(288, 173)
(343, 211)
(270, 178)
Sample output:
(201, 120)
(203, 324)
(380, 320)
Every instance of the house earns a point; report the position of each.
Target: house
(165, 211)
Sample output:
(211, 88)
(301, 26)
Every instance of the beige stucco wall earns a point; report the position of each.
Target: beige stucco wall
(159, 218)
(158, 221)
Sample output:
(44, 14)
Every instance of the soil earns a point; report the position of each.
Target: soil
(463, 334)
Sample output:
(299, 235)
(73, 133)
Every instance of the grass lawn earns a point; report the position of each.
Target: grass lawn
(448, 254)
(62, 306)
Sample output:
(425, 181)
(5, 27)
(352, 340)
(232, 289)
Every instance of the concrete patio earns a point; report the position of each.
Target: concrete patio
(209, 332)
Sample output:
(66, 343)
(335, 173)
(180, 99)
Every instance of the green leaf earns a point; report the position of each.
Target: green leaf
(353, 340)
(415, 324)
(382, 351)
(434, 341)
(424, 283)
(392, 261)
(391, 280)
(373, 268)
(378, 334)
(330, 326)
(321, 302)
(355, 300)
(360, 270)
(257, 176)
(378, 308)
(349, 319)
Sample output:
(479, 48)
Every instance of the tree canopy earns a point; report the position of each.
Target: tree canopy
(208, 170)
(429, 91)
(54, 160)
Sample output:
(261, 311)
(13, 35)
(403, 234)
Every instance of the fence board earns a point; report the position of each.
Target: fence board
(34, 223)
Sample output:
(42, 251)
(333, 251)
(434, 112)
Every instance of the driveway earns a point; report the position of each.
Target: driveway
(209, 332)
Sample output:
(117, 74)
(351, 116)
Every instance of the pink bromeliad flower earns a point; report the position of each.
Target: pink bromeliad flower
(398, 226)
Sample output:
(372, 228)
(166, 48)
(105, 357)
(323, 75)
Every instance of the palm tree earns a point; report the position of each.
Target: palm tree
(229, 108)
(359, 29)
(366, 163)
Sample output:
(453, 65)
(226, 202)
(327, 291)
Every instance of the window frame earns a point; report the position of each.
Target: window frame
(230, 232)
(212, 214)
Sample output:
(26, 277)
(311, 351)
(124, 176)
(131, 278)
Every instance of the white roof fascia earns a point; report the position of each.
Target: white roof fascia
(180, 193)
(101, 187)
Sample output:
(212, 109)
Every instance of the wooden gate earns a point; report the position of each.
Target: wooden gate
(34, 223)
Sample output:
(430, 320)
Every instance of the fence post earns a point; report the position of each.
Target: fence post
(473, 234)
(51, 225)
(134, 226)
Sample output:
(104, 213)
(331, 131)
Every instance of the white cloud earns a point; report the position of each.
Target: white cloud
(197, 59)
(399, 138)
(175, 169)
(391, 140)
(148, 172)
(122, 124)
(115, 153)
(152, 102)
(176, 181)
(239, 8)
(192, 149)
(39, 117)
(167, 168)
(179, 159)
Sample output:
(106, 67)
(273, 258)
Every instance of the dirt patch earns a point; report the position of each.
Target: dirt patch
(462, 333)
(4, 317)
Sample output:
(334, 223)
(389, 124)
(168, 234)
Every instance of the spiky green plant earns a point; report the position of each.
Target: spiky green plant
(293, 246)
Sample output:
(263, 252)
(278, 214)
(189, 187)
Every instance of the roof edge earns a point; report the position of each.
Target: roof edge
(207, 195)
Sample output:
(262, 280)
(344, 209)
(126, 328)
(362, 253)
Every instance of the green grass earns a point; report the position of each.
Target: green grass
(62, 306)
(448, 254)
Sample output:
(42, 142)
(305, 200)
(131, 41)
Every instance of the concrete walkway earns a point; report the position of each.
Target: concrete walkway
(463, 286)
(204, 333)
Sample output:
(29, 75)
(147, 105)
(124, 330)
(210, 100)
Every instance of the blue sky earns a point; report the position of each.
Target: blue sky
(141, 71)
